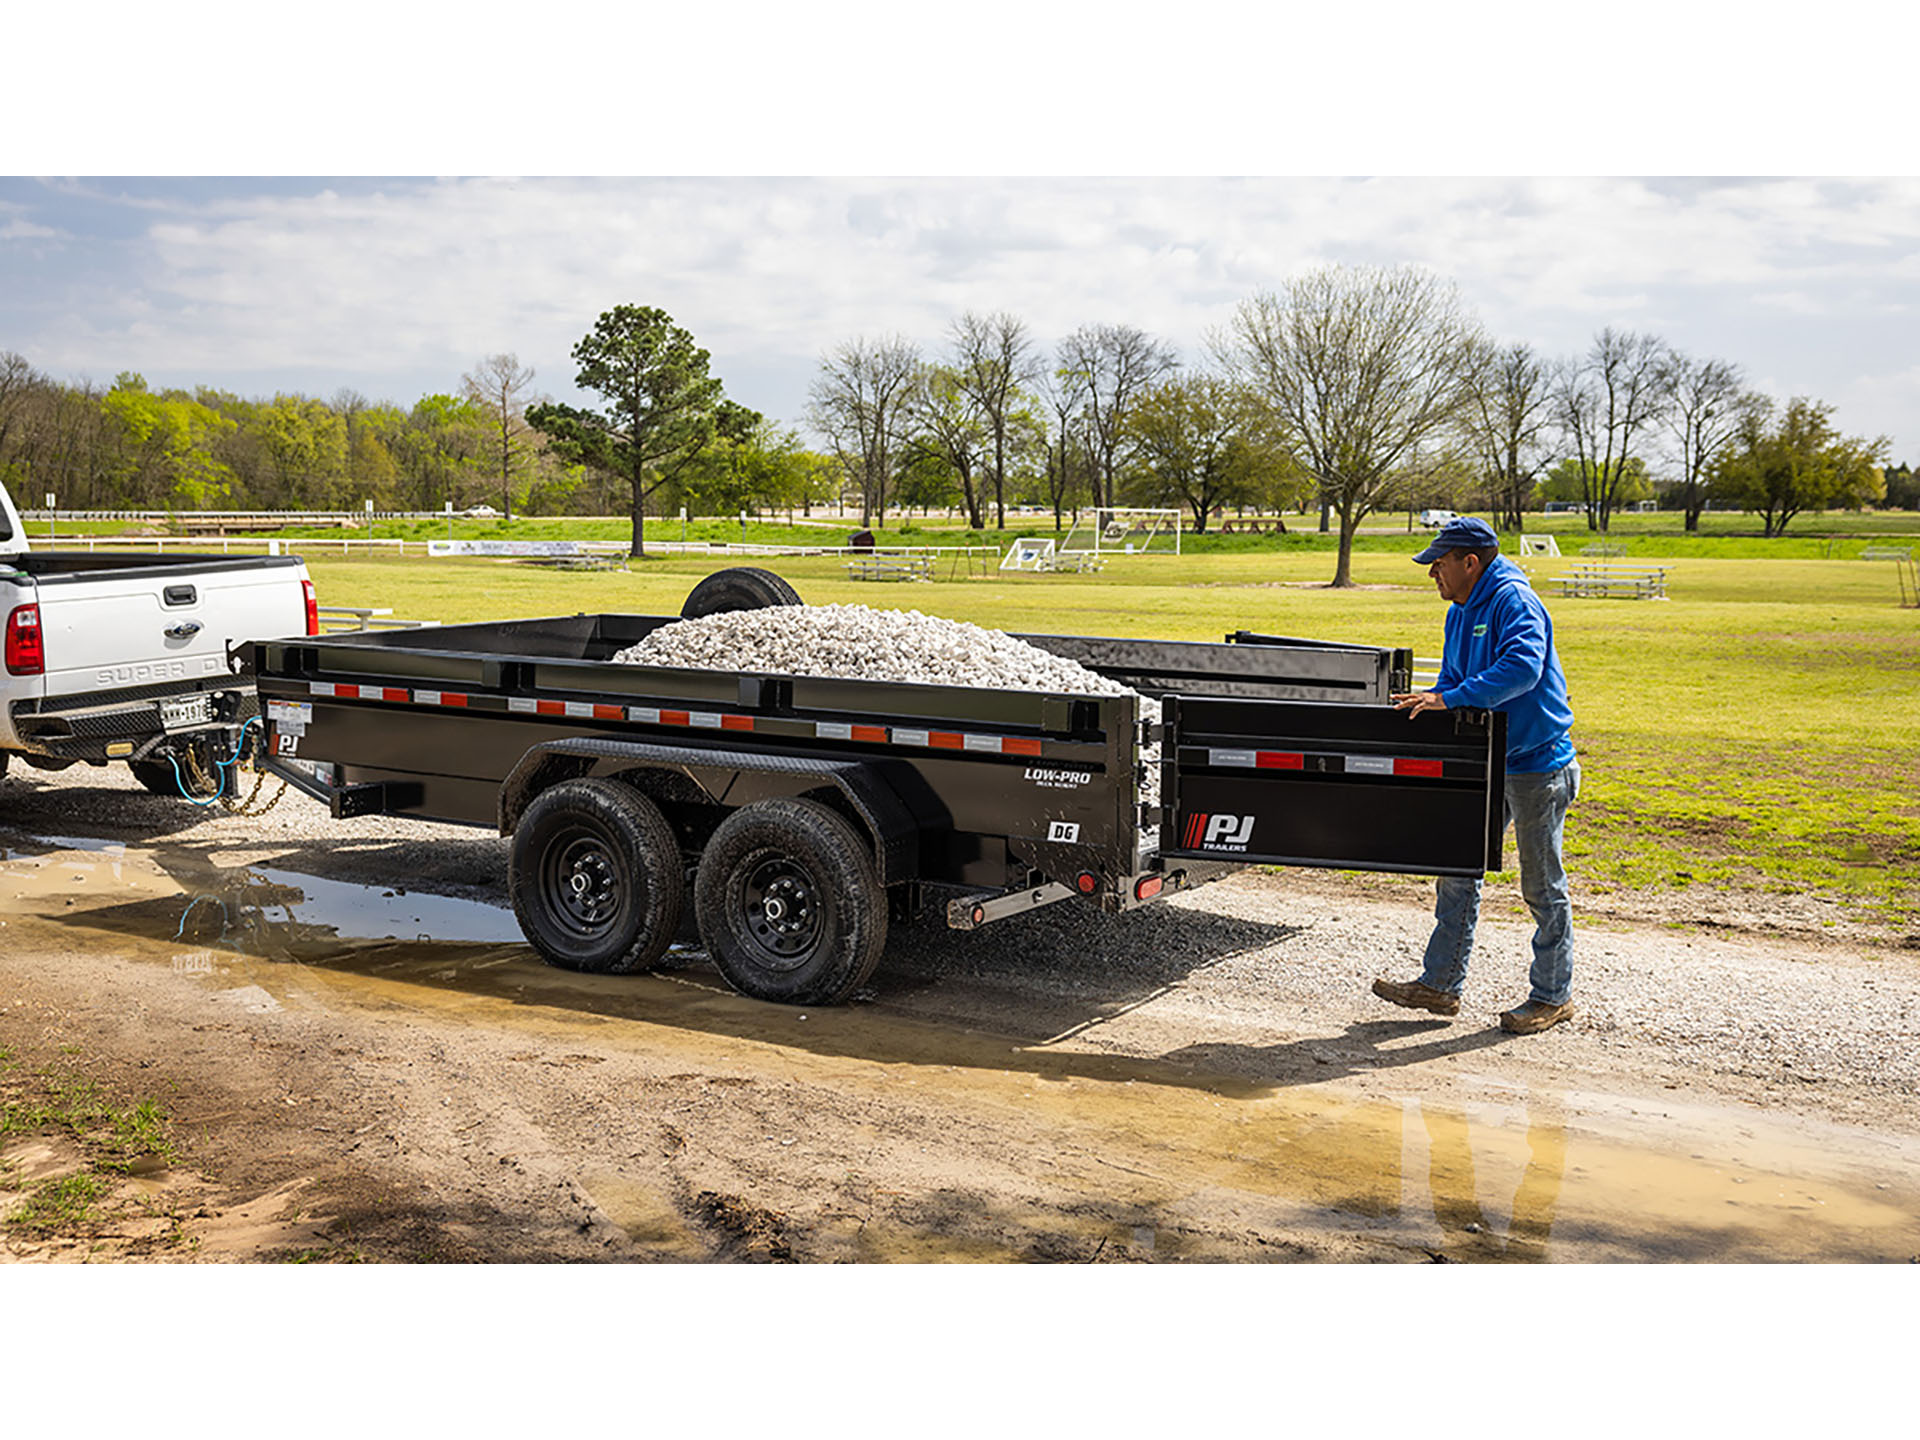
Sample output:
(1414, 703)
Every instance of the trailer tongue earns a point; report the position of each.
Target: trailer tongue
(801, 815)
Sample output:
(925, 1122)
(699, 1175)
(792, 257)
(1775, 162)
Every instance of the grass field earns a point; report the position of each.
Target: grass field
(1757, 730)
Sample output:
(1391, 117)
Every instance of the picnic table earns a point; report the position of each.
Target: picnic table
(1603, 580)
(890, 567)
(1254, 524)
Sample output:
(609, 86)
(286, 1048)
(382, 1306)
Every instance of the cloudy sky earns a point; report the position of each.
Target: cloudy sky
(395, 287)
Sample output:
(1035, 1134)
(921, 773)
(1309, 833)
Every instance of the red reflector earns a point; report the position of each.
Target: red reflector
(609, 712)
(399, 697)
(1087, 882)
(346, 692)
(1430, 768)
(1016, 745)
(674, 717)
(459, 700)
(946, 740)
(1148, 887)
(736, 722)
(870, 734)
(1279, 760)
(26, 652)
(549, 707)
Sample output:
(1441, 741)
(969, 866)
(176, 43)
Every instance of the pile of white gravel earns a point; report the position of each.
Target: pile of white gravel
(856, 642)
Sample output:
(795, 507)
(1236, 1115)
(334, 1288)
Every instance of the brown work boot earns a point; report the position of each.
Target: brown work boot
(1533, 1017)
(1415, 996)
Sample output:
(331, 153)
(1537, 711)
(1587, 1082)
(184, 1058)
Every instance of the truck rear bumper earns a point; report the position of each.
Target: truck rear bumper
(73, 728)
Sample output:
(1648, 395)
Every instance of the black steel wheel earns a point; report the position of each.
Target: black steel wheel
(791, 908)
(741, 588)
(595, 877)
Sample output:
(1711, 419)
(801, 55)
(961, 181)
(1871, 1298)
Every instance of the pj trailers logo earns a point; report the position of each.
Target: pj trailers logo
(1217, 832)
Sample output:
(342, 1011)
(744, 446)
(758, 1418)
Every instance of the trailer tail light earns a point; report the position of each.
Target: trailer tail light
(1087, 882)
(313, 607)
(26, 654)
(1147, 887)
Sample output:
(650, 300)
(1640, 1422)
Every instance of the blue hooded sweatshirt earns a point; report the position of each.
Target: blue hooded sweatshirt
(1499, 656)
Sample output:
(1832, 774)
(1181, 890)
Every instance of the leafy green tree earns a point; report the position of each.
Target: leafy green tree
(1187, 436)
(1798, 462)
(1903, 487)
(1570, 481)
(661, 406)
(440, 449)
(166, 447)
(753, 465)
(308, 446)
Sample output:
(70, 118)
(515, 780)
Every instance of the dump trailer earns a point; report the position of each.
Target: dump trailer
(798, 816)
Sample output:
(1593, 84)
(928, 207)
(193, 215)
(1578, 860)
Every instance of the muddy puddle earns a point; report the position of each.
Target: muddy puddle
(1515, 1173)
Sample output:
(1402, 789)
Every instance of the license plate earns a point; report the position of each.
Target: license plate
(186, 713)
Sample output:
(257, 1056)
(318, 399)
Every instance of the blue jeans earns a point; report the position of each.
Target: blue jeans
(1536, 808)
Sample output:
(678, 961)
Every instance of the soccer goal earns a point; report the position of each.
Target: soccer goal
(1030, 555)
(1125, 532)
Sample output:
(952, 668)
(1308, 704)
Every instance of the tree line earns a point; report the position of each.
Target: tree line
(128, 446)
(1355, 390)
(1346, 390)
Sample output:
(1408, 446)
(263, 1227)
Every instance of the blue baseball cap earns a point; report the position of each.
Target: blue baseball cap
(1461, 533)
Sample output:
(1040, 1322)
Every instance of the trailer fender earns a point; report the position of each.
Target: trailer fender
(711, 776)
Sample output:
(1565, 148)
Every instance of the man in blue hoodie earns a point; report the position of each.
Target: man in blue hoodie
(1499, 655)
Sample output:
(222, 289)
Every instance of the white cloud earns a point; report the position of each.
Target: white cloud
(403, 279)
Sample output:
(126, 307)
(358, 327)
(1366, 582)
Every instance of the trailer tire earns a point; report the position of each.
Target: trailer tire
(740, 588)
(790, 905)
(595, 877)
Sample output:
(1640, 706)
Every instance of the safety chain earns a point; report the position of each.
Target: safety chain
(205, 784)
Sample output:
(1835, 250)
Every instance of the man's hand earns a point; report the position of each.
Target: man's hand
(1419, 701)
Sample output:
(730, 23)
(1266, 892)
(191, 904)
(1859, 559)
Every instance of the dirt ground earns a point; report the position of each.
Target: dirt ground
(358, 1060)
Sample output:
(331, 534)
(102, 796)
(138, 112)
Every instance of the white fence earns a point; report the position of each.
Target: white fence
(326, 545)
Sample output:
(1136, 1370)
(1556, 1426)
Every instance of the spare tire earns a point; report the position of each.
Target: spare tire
(739, 588)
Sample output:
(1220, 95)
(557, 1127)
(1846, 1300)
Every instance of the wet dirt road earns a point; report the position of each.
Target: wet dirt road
(359, 1068)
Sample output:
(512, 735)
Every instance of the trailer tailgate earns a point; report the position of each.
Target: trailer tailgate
(1340, 786)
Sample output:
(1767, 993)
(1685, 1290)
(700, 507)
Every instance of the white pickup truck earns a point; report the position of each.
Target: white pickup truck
(124, 657)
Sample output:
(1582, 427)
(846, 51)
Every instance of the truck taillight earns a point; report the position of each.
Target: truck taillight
(313, 607)
(26, 655)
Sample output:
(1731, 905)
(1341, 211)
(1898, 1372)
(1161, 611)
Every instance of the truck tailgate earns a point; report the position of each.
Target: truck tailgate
(107, 631)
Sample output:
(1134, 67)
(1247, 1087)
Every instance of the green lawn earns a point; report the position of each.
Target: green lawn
(1757, 730)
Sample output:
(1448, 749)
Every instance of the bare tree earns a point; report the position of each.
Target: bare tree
(858, 401)
(1069, 450)
(1512, 404)
(995, 364)
(945, 420)
(501, 384)
(1604, 401)
(1369, 373)
(1706, 403)
(1115, 362)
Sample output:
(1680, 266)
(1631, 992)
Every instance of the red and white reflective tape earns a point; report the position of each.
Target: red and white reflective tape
(1025, 746)
(1397, 765)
